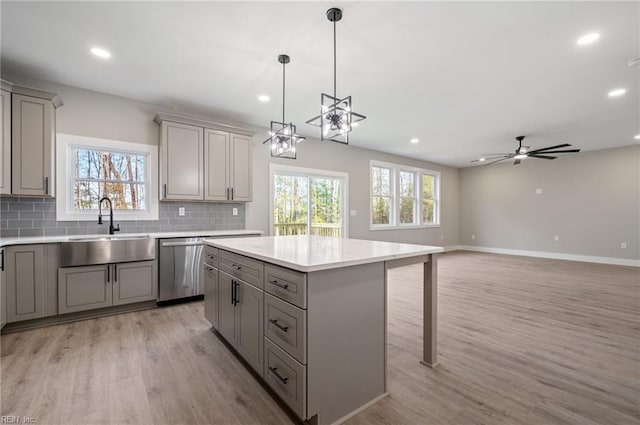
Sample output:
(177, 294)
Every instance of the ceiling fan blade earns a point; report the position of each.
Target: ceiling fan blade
(550, 148)
(565, 151)
(516, 162)
(489, 158)
(542, 156)
(498, 160)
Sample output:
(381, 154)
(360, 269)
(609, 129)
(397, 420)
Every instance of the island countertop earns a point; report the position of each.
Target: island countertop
(314, 253)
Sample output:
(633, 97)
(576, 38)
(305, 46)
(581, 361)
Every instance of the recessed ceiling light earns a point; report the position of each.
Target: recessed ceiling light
(415, 140)
(101, 53)
(264, 98)
(588, 39)
(617, 92)
(637, 137)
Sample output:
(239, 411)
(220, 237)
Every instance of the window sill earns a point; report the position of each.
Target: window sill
(407, 227)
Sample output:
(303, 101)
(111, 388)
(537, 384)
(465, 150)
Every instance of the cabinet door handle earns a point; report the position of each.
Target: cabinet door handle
(274, 371)
(165, 191)
(281, 285)
(232, 194)
(227, 193)
(2, 255)
(115, 272)
(279, 326)
(237, 299)
(108, 274)
(46, 185)
(233, 292)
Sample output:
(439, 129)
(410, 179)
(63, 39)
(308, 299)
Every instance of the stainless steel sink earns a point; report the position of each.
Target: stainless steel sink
(106, 250)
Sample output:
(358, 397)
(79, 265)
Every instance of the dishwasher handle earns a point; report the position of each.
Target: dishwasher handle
(192, 243)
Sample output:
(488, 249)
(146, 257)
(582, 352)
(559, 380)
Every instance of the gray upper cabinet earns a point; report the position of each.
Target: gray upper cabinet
(181, 161)
(135, 282)
(223, 155)
(5, 143)
(33, 132)
(217, 173)
(240, 165)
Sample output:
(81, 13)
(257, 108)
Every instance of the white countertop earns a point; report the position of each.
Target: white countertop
(313, 253)
(156, 235)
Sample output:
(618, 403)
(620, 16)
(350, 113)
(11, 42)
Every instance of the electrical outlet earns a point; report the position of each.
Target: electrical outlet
(181, 211)
(556, 238)
(352, 213)
(473, 237)
(538, 191)
(623, 245)
(235, 211)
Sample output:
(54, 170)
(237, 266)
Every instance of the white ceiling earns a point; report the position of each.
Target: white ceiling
(465, 78)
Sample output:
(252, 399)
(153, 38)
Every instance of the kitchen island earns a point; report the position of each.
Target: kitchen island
(308, 314)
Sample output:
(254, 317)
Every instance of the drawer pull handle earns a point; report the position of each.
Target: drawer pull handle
(279, 326)
(274, 371)
(281, 285)
(236, 267)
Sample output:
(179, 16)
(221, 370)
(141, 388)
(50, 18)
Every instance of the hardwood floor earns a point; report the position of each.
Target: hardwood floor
(521, 341)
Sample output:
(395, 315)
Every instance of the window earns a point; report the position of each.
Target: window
(306, 201)
(89, 169)
(403, 196)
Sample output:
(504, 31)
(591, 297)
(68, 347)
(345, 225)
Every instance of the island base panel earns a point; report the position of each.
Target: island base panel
(346, 340)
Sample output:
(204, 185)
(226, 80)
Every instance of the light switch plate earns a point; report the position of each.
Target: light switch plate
(181, 211)
(352, 213)
(538, 191)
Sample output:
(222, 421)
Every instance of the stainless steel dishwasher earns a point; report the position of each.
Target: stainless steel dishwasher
(181, 273)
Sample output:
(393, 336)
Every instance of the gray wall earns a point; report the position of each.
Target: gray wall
(37, 217)
(590, 200)
(355, 161)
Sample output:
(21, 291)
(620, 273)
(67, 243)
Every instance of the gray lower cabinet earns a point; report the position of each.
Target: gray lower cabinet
(211, 295)
(3, 291)
(240, 318)
(90, 287)
(25, 280)
(84, 288)
(135, 282)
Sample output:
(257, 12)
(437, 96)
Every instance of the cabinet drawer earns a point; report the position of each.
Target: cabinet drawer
(211, 256)
(286, 325)
(286, 284)
(243, 268)
(286, 377)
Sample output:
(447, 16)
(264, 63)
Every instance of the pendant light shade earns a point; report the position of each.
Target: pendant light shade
(336, 117)
(282, 135)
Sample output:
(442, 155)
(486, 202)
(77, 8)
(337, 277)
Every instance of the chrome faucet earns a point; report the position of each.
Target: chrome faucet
(112, 228)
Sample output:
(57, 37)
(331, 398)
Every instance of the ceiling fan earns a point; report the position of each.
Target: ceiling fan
(523, 152)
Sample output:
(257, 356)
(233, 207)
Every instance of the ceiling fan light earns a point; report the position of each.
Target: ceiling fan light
(521, 156)
(482, 159)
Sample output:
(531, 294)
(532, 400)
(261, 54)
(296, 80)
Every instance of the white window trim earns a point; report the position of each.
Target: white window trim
(310, 172)
(65, 143)
(395, 188)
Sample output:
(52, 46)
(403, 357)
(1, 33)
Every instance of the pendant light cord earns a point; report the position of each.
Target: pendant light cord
(283, 92)
(334, 61)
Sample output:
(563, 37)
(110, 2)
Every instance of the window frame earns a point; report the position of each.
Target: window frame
(65, 178)
(310, 173)
(418, 199)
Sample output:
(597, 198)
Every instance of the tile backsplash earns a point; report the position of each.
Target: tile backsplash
(37, 217)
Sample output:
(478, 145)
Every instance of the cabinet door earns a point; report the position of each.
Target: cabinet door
(226, 309)
(181, 161)
(3, 290)
(211, 295)
(25, 282)
(135, 282)
(216, 166)
(240, 168)
(84, 288)
(33, 142)
(5, 143)
(249, 324)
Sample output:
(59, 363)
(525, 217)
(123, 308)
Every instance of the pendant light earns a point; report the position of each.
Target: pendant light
(282, 136)
(336, 117)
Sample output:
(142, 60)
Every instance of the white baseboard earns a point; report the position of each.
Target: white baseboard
(553, 255)
(451, 248)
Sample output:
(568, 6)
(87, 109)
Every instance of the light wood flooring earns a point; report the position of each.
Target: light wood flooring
(521, 341)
